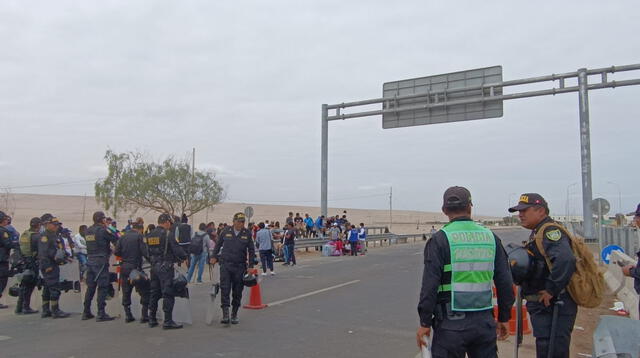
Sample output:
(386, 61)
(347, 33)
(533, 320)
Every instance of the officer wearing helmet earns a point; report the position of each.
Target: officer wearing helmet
(29, 279)
(131, 248)
(461, 262)
(6, 244)
(163, 252)
(236, 245)
(545, 287)
(51, 254)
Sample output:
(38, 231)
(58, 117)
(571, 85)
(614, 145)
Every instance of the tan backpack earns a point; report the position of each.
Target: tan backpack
(586, 286)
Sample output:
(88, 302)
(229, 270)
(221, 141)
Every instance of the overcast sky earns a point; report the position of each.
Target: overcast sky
(243, 83)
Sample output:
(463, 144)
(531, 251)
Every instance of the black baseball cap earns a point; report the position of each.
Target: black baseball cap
(35, 222)
(456, 196)
(637, 212)
(528, 200)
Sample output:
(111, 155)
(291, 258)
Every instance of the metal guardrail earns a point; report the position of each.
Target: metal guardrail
(375, 240)
(626, 237)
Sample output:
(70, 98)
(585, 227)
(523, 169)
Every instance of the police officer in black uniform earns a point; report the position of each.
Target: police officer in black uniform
(51, 254)
(236, 244)
(29, 250)
(6, 244)
(464, 330)
(99, 241)
(164, 251)
(131, 249)
(545, 288)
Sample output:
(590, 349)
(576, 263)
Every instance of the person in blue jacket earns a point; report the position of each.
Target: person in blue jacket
(353, 240)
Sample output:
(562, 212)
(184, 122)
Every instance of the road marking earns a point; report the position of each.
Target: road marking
(312, 293)
(418, 253)
(4, 338)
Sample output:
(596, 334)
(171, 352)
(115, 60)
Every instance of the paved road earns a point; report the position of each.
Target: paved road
(368, 310)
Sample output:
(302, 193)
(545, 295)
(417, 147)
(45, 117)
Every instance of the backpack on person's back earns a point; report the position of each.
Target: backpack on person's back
(586, 285)
(197, 243)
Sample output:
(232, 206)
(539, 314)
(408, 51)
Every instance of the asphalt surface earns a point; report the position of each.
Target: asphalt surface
(361, 306)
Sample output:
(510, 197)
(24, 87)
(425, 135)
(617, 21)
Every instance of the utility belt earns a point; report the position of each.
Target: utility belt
(443, 312)
(165, 264)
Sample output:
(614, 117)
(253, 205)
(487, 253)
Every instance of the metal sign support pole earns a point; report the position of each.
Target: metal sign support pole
(585, 153)
(324, 167)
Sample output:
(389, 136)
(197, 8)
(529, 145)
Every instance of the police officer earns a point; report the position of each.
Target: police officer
(164, 251)
(236, 244)
(130, 248)
(6, 244)
(545, 289)
(51, 254)
(461, 261)
(29, 250)
(99, 241)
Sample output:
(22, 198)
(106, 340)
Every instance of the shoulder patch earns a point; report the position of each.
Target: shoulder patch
(554, 235)
(6, 235)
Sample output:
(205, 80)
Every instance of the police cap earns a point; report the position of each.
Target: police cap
(45, 218)
(635, 213)
(239, 217)
(98, 216)
(528, 200)
(456, 197)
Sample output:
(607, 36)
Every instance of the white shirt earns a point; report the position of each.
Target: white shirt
(81, 244)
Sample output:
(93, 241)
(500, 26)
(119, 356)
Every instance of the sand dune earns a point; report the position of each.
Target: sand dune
(76, 210)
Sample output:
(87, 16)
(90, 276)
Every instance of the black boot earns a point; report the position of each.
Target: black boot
(86, 314)
(145, 314)
(234, 315)
(153, 322)
(28, 310)
(169, 323)
(19, 304)
(56, 312)
(103, 316)
(46, 312)
(225, 315)
(128, 315)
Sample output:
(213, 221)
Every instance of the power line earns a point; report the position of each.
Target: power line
(51, 184)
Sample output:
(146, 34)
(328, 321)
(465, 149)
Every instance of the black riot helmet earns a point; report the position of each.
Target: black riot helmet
(136, 277)
(60, 257)
(98, 216)
(250, 279)
(179, 282)
(520, 261)
(14, 291)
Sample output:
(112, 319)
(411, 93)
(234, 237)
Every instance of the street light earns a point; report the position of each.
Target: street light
(619, 196)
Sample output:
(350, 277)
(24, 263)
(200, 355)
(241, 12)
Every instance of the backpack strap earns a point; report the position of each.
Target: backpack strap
(540, 236)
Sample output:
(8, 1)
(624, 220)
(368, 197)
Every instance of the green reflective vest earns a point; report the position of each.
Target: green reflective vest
(473, 252)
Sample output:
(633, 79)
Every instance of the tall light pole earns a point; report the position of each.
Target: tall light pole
(619, 196)
(566, 206)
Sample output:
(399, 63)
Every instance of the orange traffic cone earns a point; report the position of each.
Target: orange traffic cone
(255, 301)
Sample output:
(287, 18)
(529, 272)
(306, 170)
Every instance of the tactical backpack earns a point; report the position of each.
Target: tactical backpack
(195, 247)
(586, 285)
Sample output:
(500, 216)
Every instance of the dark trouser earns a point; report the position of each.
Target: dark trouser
(541, 318)
(231, 281)
(266, 257)
(292, 253)
(51, 290)
(4, 276)
(162, 286)
(475, 335)
(127, 288)
(97, 277)
(24, 298)
(354, 248)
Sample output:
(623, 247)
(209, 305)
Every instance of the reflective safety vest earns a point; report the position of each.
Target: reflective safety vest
(473, 252)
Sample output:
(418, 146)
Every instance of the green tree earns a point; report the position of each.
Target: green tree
(135, 182)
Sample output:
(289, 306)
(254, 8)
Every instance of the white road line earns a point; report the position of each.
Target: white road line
(312, 293)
